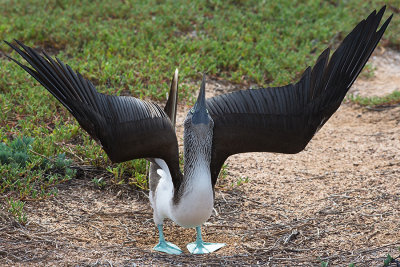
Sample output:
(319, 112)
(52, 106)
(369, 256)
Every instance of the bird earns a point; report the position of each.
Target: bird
(274, 119)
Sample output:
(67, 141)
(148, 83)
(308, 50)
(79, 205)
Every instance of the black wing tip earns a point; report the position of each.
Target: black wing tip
(386, 23)
(15, 40)
(306, 72)
(324, 55)
(19, 51)
(19, 42)
(25, 51)
(378, 16)
(382, 10)
(11, 45)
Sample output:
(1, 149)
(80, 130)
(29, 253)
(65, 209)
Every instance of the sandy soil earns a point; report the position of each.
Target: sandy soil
(339, 201)
(385, 68)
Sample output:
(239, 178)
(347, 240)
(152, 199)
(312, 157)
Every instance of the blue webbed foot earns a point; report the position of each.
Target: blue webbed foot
(164, 246)
(168, 247)
(203, 247)
(200, 247)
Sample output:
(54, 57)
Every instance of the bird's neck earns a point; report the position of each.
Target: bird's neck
(197, 158)
(197, 177)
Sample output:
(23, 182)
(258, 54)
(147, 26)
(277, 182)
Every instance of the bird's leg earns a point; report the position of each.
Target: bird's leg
(165, 246)
(200, 247)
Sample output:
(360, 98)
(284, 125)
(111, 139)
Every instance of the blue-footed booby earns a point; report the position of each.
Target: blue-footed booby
(274, 119)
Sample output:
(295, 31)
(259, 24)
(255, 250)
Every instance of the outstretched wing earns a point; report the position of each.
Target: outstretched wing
(127, 128)
(284, 119)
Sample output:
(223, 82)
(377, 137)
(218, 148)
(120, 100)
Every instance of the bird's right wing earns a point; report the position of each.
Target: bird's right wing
(284, 119)
(127, 128)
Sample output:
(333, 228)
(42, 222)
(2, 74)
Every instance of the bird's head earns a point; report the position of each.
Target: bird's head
(198, 119)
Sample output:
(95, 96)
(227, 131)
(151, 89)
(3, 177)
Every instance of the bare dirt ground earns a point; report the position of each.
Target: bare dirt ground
(339, 201)
(386, 78)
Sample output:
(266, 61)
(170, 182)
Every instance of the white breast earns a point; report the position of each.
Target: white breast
(196, 203)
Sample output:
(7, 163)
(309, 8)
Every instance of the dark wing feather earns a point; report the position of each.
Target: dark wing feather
(127, 127)
(284, 119)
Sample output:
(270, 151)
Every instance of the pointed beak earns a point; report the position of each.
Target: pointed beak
(200, 113)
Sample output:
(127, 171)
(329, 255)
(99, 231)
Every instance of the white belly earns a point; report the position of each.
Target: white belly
(195, 205)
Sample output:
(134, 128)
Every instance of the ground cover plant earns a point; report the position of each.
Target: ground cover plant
(132, 48)
(27, 175)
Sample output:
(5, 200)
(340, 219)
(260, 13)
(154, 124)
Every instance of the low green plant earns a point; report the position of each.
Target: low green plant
(132, 172)
(376, 101)
(240, 181)
(224, 172)
(99, 182)
(389, 260)
(16, 153)
(27, 175)
(16, 208)
(117, 173)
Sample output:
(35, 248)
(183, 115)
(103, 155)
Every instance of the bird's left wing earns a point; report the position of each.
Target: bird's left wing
(127, 128)
(284, 119)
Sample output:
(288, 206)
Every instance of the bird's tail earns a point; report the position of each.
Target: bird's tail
(170, 107)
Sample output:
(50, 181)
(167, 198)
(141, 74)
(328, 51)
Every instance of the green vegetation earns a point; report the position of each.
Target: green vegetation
(376, 101)
(240, 181)
(324, 263)
(133, 47)
(99, 182)
(27, 175)
(16, 208)
(389, 260)
(133, 172)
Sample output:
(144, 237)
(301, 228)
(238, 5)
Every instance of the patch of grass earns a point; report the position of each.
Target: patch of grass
(134, 46)
(27, 175)
(375, 101)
